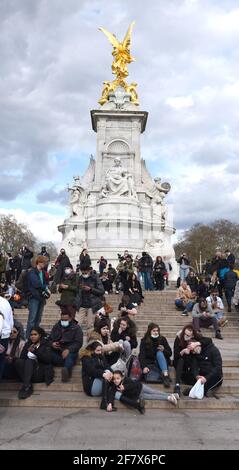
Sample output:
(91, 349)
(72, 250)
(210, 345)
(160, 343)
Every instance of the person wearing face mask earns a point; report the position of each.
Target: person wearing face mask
(68, 290)
(66, 339)
(90, 295)
(62, 262)
(181, 359)
(155, 351)
(34, 365)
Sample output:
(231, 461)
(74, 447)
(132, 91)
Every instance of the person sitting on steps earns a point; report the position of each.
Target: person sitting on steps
(34, 365)
(206, 365)
(181, 353)
(155, 350)
(203, 316)
(134, 393)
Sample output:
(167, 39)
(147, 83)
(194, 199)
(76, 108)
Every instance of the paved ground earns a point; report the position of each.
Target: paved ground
(79, 429)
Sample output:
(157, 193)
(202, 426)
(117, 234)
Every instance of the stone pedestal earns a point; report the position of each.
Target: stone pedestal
(111, 220)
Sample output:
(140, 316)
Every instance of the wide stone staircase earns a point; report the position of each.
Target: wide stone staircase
(158, 307)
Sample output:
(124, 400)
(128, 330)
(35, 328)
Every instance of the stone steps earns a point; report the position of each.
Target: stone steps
(79, 400)
(228, 387)
(158, 307)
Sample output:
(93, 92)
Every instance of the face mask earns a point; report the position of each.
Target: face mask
(85, 276)
(154, 336)
(62, 252)
(67, 271)
(64, 323)
(187, 338)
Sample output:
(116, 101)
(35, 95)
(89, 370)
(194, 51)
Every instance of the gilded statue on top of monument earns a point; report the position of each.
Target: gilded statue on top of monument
(122, 57)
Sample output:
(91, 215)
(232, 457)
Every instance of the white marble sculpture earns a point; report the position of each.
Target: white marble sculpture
(77, 197)
(118, 181)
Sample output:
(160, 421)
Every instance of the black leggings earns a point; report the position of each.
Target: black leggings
(29, 371)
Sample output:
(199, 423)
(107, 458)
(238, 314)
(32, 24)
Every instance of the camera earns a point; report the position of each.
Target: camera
(45, 294)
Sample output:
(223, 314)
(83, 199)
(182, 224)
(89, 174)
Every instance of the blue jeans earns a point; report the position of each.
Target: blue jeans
(96, 389)
(189, 306)
(147, 281)
(68, 362)
(36, 308)
(162, 363)
(184, 270)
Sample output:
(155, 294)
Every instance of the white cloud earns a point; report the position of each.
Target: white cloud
(42, 224)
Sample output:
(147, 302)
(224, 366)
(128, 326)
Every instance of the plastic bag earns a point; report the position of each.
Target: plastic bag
(197, 391)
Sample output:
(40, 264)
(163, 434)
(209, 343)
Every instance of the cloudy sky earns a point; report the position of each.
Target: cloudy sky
(53, 62)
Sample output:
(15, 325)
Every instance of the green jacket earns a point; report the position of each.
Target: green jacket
(68, 296)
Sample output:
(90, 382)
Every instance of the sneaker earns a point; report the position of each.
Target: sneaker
(64, 374)
(184, 313)
(186, 391)
(117, 292)
(166, 381)
(177, 390)
(172, 399)
(218, 335)
(25, 392)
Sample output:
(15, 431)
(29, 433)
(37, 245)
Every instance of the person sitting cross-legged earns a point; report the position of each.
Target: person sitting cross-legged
(204, 317)
(66, 339)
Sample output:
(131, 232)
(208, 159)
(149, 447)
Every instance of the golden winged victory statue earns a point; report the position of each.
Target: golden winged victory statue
(122, 57)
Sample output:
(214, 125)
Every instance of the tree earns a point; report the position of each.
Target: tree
(14, 235)
(207, 239)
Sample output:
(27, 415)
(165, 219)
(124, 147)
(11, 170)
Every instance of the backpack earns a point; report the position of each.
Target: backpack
(22, 282)
(134, 368)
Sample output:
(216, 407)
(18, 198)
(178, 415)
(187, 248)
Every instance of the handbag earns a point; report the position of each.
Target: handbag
(119, 365)
(197, 391)
(154, 375)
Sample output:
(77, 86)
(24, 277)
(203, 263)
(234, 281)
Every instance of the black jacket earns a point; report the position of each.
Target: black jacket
(186, 260)
(208, 363)
(27, 255)
(43, 354)
(159, 268)
(93, 367)
(85, 261)
(147, 353)
(132, 389)
(230, 280)
(62, 262)
(177, 348)
(92, 298)
(146, 264)
(70, 337)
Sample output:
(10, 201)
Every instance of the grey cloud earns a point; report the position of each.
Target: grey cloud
(51, 195)
(53, 63)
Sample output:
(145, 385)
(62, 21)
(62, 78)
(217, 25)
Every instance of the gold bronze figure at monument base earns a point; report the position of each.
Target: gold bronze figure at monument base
(122, 57)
